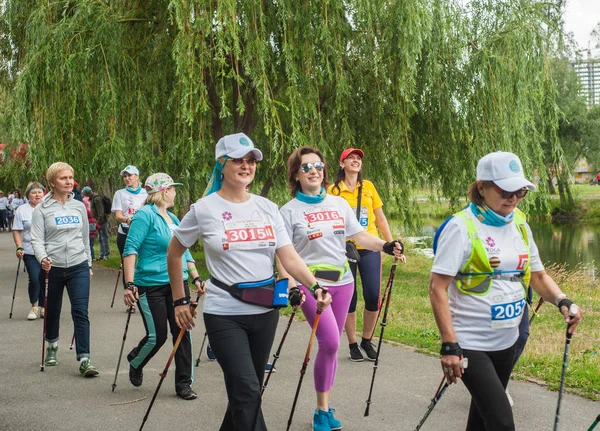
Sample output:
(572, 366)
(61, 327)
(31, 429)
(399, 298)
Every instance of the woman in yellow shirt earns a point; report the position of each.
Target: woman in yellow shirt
(348, 183)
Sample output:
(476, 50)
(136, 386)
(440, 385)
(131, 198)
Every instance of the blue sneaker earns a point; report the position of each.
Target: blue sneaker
(269, 367)
(320, 421)
(334, 424)
(209, 353)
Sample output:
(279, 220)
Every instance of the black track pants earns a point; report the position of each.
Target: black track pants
(486, 378)
(242, 345)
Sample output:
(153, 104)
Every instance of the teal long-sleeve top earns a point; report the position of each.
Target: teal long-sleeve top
(148, 238)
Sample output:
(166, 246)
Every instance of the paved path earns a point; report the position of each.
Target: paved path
(59, 399)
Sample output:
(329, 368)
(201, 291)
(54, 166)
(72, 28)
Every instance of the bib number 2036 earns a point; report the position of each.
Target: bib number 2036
(67, 221)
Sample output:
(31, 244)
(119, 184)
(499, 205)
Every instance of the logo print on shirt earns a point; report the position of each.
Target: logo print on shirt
(523, 260)
(226, 215)
(490, 241)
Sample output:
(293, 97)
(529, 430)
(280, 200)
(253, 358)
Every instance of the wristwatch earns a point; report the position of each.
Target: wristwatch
(181, 301)
(559, 298)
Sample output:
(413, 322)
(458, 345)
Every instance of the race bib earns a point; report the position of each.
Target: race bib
(364, 216)
(67, 222)
(506, 309)
(323, 215)
(248, 235)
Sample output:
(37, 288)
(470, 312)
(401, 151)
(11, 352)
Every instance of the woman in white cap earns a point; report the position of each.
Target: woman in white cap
(125, 203)
(147, 282)
(358, 192)
(240, 234)
(485, 258)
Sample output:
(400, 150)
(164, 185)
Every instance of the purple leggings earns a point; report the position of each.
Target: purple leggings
(329, 331)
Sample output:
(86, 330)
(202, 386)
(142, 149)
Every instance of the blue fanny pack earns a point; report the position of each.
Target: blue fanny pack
(266, 293)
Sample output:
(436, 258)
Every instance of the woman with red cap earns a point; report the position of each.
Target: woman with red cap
(368, 207)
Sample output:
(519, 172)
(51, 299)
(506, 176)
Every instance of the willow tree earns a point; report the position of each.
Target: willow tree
(424, 87)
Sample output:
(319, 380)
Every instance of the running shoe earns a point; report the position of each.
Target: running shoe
(33, 314)
(136, 376)
(355, 355)
(510, 400)
(270, 368)
(187, 393)
(334, 424)
(51, 356)
(86, 369)
(209, 353)
(367, 346)
(320, 421)
(42, 311)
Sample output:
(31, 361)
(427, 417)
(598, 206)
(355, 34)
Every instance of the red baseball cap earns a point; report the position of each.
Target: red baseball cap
(346, 153)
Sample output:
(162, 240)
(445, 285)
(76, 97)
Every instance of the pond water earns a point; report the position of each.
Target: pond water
(558, 243)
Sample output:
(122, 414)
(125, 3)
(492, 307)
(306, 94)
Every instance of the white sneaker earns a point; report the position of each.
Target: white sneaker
(510, 400)
(33, 314)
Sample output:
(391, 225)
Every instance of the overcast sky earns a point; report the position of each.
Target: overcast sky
(581, 16)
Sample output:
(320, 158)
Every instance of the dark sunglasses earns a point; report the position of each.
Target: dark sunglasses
(307, 167)
(508, 195)
(251, 161)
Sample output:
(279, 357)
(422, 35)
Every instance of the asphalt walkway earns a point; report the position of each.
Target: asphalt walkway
(60, 399)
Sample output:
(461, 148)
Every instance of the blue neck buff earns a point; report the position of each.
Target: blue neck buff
(488, 217)
(308, 199)
(216, 178)
(134, 191)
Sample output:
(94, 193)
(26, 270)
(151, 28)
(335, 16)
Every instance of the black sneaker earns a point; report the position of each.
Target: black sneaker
(355, 355)
(187, 393)
(367, 346)
(136, 376)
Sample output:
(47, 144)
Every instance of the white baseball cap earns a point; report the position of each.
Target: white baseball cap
(503, 169)
(131, 170)
(236, 146)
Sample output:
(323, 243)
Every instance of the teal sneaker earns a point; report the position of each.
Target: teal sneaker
(320, 421)
(50, 359)
(334, 424)
(86, 369)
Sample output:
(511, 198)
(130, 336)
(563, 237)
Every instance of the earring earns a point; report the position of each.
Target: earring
(222, 176)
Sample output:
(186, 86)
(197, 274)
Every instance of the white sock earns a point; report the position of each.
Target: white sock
(53, 345)
(83, 359)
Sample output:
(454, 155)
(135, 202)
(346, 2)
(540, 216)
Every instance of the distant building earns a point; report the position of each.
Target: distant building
(583, 172)
(588, 71)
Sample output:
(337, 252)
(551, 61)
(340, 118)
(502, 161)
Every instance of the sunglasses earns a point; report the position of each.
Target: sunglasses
(508, 195)
(238, 162)
(307, 167)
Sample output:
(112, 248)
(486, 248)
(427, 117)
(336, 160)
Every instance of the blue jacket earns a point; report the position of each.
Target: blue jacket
(149, 238)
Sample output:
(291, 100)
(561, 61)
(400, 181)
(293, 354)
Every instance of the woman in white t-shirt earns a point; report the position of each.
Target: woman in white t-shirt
(240, 233)
(22, 237)
(485, 258)
(319, 225)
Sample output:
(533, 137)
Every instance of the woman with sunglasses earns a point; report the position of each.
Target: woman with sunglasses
(485, 259)
(241, 233)
(349, 184)
(319, 224)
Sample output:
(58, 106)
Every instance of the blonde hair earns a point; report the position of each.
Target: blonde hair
(54, 170)
(33, 185)
(157, 198)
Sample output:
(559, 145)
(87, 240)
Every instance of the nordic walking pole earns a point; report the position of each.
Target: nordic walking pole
(383, 324)
(535, 312)
(114, 385)
(45, 314)
(72, 341)
(201, 348)
(15, 290)
(193, 306)
(438, 394)
(305, 363)
(276, 354)
(572, 312)
(116, 284)
(594, 424)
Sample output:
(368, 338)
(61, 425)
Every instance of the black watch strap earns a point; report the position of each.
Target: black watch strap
(181, 301)
(129, 286)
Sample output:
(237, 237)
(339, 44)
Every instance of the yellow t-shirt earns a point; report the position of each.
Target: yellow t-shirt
(370, 201)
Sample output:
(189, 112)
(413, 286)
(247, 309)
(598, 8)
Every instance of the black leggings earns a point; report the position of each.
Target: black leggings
(242, 345)
(121, 239)
(486, 378)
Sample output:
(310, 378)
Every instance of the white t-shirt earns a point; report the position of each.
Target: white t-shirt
(22, 222)
(239, 240)
(489, 322)
(128, 203)
(319, 231)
